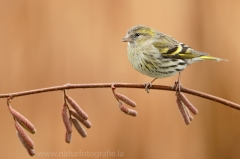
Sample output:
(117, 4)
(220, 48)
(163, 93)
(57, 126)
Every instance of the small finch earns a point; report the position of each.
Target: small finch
(158, 55)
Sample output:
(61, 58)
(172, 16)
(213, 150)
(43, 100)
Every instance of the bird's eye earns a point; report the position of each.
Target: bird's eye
(137, 34)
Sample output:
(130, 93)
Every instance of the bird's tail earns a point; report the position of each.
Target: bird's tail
(201, 58)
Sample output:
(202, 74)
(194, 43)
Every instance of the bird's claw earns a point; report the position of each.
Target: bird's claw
(148, 86)
(177, 86)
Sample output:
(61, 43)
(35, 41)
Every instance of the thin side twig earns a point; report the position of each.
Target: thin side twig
(123, 85)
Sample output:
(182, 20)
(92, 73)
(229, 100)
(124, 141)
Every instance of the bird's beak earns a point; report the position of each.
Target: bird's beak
(127, 39)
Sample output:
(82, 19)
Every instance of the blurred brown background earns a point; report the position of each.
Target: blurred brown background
(48, 43)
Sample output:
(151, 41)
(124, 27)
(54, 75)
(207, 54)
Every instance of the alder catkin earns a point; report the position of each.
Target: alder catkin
(125, 99)
(76, 107)
(78, 127)
(128, 111)
(186, 102)
(24, 138)
(65, 118)
(22, 120)
(86, 123)
(183, 111)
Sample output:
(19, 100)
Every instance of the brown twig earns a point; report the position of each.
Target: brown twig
(122, 85)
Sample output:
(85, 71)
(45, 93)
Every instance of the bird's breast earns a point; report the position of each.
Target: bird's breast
(151, 63)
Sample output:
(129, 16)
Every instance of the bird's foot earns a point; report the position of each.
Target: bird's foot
(148, 86)
(177, 86)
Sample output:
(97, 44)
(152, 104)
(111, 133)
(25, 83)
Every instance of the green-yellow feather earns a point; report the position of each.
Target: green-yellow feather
(164, 43)
(158, 55)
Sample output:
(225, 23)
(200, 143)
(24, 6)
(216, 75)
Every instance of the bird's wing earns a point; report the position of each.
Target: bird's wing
(169, 47)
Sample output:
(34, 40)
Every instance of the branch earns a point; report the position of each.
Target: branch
(122, 85)
(75, 116)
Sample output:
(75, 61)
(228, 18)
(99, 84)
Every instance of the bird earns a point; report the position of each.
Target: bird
(158, 55)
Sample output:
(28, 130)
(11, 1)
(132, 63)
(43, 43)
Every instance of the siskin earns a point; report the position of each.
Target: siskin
(158, 55)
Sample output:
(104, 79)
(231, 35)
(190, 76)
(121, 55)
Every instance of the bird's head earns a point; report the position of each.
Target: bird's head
(139, 34)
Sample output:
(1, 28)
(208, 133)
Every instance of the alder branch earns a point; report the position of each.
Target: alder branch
(122, 85)
(74, 115)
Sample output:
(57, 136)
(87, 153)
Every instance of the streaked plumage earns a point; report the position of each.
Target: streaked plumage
(158, 55)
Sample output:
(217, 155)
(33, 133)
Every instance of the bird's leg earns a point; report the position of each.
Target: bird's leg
(177, 84)
(149, 85)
